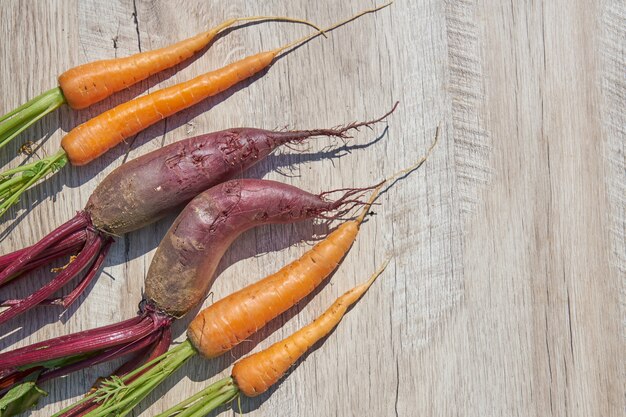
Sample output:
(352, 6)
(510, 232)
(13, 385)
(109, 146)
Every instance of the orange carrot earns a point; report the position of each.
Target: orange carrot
(223, 325)
(251, 376)
(93, 138)
(256, 373)
(90, 83)
(86, 84)
(88, 141)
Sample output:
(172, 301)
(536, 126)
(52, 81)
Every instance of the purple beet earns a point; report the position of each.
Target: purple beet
(138, 193)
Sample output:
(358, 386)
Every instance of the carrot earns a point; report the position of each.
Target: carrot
(251, 376)
(90, 83)
(93, 138)
(256, 373)
(87, 84)
(251, 308)
(223, 325)
(141, 192)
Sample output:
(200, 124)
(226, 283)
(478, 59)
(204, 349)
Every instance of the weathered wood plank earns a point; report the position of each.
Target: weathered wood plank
(504, 294)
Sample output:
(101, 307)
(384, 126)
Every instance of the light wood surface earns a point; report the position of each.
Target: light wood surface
(507, 292)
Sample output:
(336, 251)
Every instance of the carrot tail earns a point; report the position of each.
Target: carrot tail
(59, 356)
(18, 120)
(14, 182)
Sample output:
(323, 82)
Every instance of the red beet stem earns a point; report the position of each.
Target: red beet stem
(70, 245)
(140, 345)
(13, 378)
(80, 221)
(67, 300)
(85, 342)
(91, 273)
(152, 352)
(156, 349)
(86, 257)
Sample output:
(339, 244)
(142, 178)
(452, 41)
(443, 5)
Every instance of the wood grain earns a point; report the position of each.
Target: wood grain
(506, 293)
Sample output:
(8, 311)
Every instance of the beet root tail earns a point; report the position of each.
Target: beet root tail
(350, 199)
(341, 132)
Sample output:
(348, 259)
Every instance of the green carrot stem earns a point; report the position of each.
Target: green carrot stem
(27, 104)
(118, 396)
(227, 395)
(197, 401)
(15, 122)
(30, 174)
(13, 171)
(10, 184)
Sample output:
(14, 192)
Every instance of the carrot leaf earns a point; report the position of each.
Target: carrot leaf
(117, 396)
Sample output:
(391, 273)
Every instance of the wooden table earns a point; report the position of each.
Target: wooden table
(506, 294)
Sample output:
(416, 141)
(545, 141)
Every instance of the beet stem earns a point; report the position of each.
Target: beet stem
(107, 355)
(80, 221)
(157, 349)
(149, 354)
(72, 245)
(91, 250)
(69, 299)
(77, 343)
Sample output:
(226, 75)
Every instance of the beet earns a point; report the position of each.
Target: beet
(138, 193)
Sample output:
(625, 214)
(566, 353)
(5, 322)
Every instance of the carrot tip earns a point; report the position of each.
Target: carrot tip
(231, 22)
(328, 29)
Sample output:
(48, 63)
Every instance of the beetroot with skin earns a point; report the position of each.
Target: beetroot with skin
(136, 194)
(182, 269)
(147, 188)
